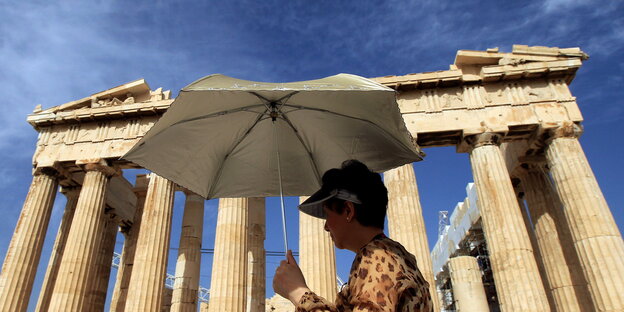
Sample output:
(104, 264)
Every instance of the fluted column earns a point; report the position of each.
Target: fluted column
(515, 271)
(596, 237)
(78, 266)
(561, 264)
(468, 291)
(256, 258)
(71, 194)
(124, 272)
(406, 224)
(528, 224)
(317, 256)
(186, 283)
(228, 291)
(147, 282)
(105, 258)
(22, 257)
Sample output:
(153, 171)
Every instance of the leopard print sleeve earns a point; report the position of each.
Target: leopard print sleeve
(311, 302)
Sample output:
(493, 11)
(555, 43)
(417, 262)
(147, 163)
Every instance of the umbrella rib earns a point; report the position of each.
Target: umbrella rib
(218, 175)
(287, 96)
(314, 166)
(351, 117)
(225, 112)
(261, 97)
(285, 100)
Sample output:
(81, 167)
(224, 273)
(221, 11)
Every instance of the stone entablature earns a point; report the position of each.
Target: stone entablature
(488, 95)
(491, 65)
(132, 92)
(104, 139)
(82, 114)
(104, 125)
(518, 94)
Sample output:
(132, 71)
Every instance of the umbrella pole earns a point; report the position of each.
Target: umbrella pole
(279, 174)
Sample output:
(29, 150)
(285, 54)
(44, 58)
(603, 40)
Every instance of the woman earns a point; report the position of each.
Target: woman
(384, 276)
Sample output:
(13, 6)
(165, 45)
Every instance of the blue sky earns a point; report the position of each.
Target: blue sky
(51, 54)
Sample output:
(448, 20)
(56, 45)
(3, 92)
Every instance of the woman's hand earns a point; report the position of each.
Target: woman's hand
(288, 281)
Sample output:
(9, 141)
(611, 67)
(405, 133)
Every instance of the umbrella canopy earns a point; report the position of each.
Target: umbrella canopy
(222, 136)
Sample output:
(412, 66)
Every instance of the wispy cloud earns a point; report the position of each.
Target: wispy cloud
(557, 5)
(56, 52)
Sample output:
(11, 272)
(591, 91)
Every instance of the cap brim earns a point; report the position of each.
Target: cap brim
(313, 206)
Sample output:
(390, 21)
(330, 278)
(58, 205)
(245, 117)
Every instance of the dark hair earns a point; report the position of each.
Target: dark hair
(367, 185)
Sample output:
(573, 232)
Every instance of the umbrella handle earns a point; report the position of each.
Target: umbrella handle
(279, 175)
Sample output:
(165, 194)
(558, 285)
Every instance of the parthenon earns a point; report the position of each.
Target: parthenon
(511, 113)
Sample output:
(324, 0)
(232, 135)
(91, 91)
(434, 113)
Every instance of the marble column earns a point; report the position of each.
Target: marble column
(77, 271)
(595, 235)
(468, 291)
(256, 257)
(105, 258)
(71, 194)
(561, 265)
(203, 307)
(186, 283)
(228, 290)
(120, 292)
(528, 224)
(406, 224)
(147, 282)
(517, 278)
(317, 256)
(22, 257)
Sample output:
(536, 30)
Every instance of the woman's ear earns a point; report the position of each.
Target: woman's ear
(349, 211)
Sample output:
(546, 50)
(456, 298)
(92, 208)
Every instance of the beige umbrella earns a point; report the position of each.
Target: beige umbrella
(226, 137)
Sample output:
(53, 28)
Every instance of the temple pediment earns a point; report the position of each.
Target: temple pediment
(520, 54)
(130, 98)
(477, 67)
(129, 93)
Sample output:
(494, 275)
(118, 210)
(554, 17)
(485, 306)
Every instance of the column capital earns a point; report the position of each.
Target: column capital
(482, 139)
(565, 130)
(125, 230)
(533, 164)
(51, 171)
(100, 165)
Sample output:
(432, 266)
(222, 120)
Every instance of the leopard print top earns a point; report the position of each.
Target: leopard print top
(383, 277)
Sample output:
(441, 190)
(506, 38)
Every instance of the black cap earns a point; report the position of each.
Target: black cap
(353, 182)
(314, 205)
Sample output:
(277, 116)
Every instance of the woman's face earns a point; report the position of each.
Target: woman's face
(336, 225)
